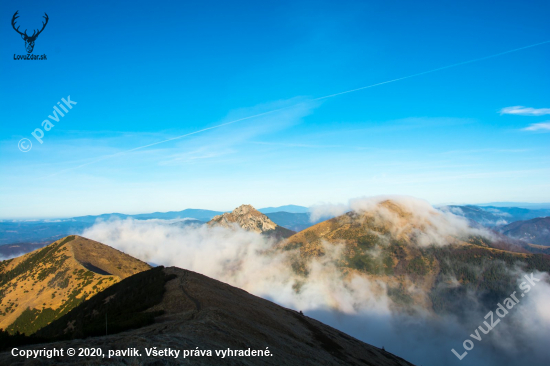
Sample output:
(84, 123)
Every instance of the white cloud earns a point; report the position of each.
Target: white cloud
(437, 226)
(525, 111)
(246, 260)
(355, 303)
(543, 127)
(327, 210)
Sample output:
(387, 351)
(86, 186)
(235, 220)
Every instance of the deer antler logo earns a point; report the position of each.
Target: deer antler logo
(29, 40)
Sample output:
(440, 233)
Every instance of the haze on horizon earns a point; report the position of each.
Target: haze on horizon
(472, 133)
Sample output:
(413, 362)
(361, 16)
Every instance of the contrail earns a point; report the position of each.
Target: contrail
(319, 98)
(434, 70)
(170, 139)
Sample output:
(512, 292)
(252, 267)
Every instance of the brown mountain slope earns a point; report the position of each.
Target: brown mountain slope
(250, 219)
(205, 314)
(40, 286)
(415, 255)
(386, 222)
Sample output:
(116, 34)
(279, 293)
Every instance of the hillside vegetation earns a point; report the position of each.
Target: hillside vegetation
(43, 285)
(419, 263)
(183, 310)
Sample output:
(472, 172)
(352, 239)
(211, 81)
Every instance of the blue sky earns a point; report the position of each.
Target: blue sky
(151, 71)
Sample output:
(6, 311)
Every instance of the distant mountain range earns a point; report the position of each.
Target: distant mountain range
(286, 208)
(535, 231)
(492, 216)
(25, 236)
(532, 206)
(292, 221)
(202, 215)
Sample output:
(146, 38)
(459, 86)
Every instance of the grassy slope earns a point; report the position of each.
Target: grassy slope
(43, 285)
(373, 246)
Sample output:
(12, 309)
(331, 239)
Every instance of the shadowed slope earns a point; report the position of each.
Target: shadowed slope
(201, 312)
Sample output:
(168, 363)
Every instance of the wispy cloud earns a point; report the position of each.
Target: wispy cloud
(525, 111)
(478, 151)
(195, 156)
(542, 127)
(262, 119)
(285, 144)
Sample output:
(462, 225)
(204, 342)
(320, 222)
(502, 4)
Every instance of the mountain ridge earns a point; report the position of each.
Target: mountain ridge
(405, 250)
(39, 286)
(285, 208)
(198, 312)
(533, 231)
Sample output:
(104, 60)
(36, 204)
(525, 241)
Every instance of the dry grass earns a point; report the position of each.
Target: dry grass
(72, 270)
(205, 313)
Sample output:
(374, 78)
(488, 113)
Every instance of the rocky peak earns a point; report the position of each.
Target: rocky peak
(246, 209)
(246, 217)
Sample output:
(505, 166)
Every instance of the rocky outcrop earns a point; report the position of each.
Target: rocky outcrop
(246, 217)
(250, 219)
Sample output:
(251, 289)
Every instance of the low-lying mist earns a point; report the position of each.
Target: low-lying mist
(357, 304)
